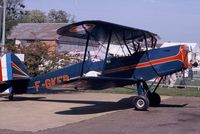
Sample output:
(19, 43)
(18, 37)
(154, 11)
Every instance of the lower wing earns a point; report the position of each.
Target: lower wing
(95, 83)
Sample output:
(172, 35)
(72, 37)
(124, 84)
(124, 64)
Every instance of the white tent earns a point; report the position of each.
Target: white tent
(193, 47)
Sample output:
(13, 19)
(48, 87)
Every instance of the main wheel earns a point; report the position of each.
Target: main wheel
(141, 103)
(154, 99)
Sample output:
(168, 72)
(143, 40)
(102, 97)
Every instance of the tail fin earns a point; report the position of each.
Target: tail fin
(12, 71)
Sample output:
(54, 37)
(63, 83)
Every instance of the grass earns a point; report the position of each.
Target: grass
(189, 92)
(192, 91)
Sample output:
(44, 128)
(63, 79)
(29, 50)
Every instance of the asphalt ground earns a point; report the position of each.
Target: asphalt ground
(96, 113)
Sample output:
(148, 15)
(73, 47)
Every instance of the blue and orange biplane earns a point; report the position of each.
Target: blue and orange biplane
(136, 62)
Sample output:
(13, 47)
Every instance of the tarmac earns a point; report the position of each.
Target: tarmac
(41, 111)
(97, 113)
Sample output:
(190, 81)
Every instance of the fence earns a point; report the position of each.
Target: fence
(181, 80)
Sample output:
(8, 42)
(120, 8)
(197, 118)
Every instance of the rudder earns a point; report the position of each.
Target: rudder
(13, 73)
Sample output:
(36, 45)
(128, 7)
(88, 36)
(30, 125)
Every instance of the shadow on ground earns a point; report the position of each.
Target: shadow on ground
(97, 107)
(92, 107)
(172, 105)
(22, 98)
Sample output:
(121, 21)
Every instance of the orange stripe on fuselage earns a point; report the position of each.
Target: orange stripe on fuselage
(178, 57)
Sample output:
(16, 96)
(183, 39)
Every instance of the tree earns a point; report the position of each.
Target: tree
(59, 16)
(34, 16)
(38, 59)
(34, 55)
(14, 11)
(15, 8)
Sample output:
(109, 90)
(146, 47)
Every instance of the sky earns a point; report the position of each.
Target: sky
(172, 20)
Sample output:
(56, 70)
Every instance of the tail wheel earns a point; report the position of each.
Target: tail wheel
(141, 103)
(154, 99)
(10, 97)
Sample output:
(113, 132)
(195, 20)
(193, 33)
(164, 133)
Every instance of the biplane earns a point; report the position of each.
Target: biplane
(135, 61)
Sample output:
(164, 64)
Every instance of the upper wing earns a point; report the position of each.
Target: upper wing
(100, 31)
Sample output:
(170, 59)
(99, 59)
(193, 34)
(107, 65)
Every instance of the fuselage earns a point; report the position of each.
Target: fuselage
(143, 65)
(150, 64)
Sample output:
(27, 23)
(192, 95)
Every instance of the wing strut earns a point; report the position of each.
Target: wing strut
(126, 43)
(86, 48)
(145, 40)
(108, 46)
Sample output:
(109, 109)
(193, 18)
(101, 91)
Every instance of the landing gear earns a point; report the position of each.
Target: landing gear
(154, 99)
(141, 103)
(146, 97)
(10, 97)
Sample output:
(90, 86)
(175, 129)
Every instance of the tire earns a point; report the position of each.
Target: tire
(141, 103)
(154, 99)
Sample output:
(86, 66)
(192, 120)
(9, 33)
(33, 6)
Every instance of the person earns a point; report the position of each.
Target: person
(190, 72)
(172, 80)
